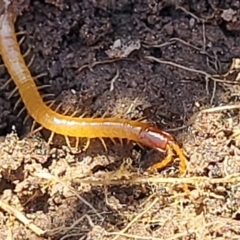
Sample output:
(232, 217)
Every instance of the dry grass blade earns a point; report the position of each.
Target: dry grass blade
(118, 234)
(18, 215)
(155, 179)
(221, 108)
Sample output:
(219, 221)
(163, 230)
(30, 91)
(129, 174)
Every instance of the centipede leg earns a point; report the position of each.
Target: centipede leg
(34, 131)
(20, 112)
(26, 53)
(43, 86)
(74, 149)
(17, 103)
(6, 83)
(44, 74)
(105, 114)
(103, 143)
(128, 141)
(140, 145)
(50, 103)
(66, 111)
(26, 118)
(121, 141)
(141, 119)
(87, 145)
(47, 95)
(21, 40)
(31, 61)
(68, 143)
(83, 115)
(113, 141)
(77, 143)
(20, 33)
(50, 138)
(12, 93)
(75, 113)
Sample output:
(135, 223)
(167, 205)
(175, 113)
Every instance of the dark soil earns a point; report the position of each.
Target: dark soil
(100, 194)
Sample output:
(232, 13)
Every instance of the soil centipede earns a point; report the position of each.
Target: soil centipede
(70, 126)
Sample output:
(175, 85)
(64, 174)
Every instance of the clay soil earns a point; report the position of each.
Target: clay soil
(173, 62)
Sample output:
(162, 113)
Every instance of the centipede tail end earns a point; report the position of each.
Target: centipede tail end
(164, 162)
(182, 158)
(170, 147)
(169, 155)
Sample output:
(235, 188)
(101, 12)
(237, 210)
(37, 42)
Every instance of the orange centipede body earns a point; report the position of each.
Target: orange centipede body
(70, 126)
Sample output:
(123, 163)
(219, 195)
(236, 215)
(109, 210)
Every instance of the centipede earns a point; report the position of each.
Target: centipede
(77, 126)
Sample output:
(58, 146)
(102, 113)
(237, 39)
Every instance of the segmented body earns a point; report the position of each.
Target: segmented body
(69, 126)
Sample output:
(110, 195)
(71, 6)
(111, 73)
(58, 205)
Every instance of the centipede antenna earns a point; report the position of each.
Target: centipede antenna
(104, 144)
(13, 92)
(5, 84)
(87, 144)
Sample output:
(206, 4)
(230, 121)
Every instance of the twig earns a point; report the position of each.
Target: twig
(91, 65)
(207, 76)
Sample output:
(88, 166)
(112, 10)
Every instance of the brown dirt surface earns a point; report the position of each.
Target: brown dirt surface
(175, 62)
